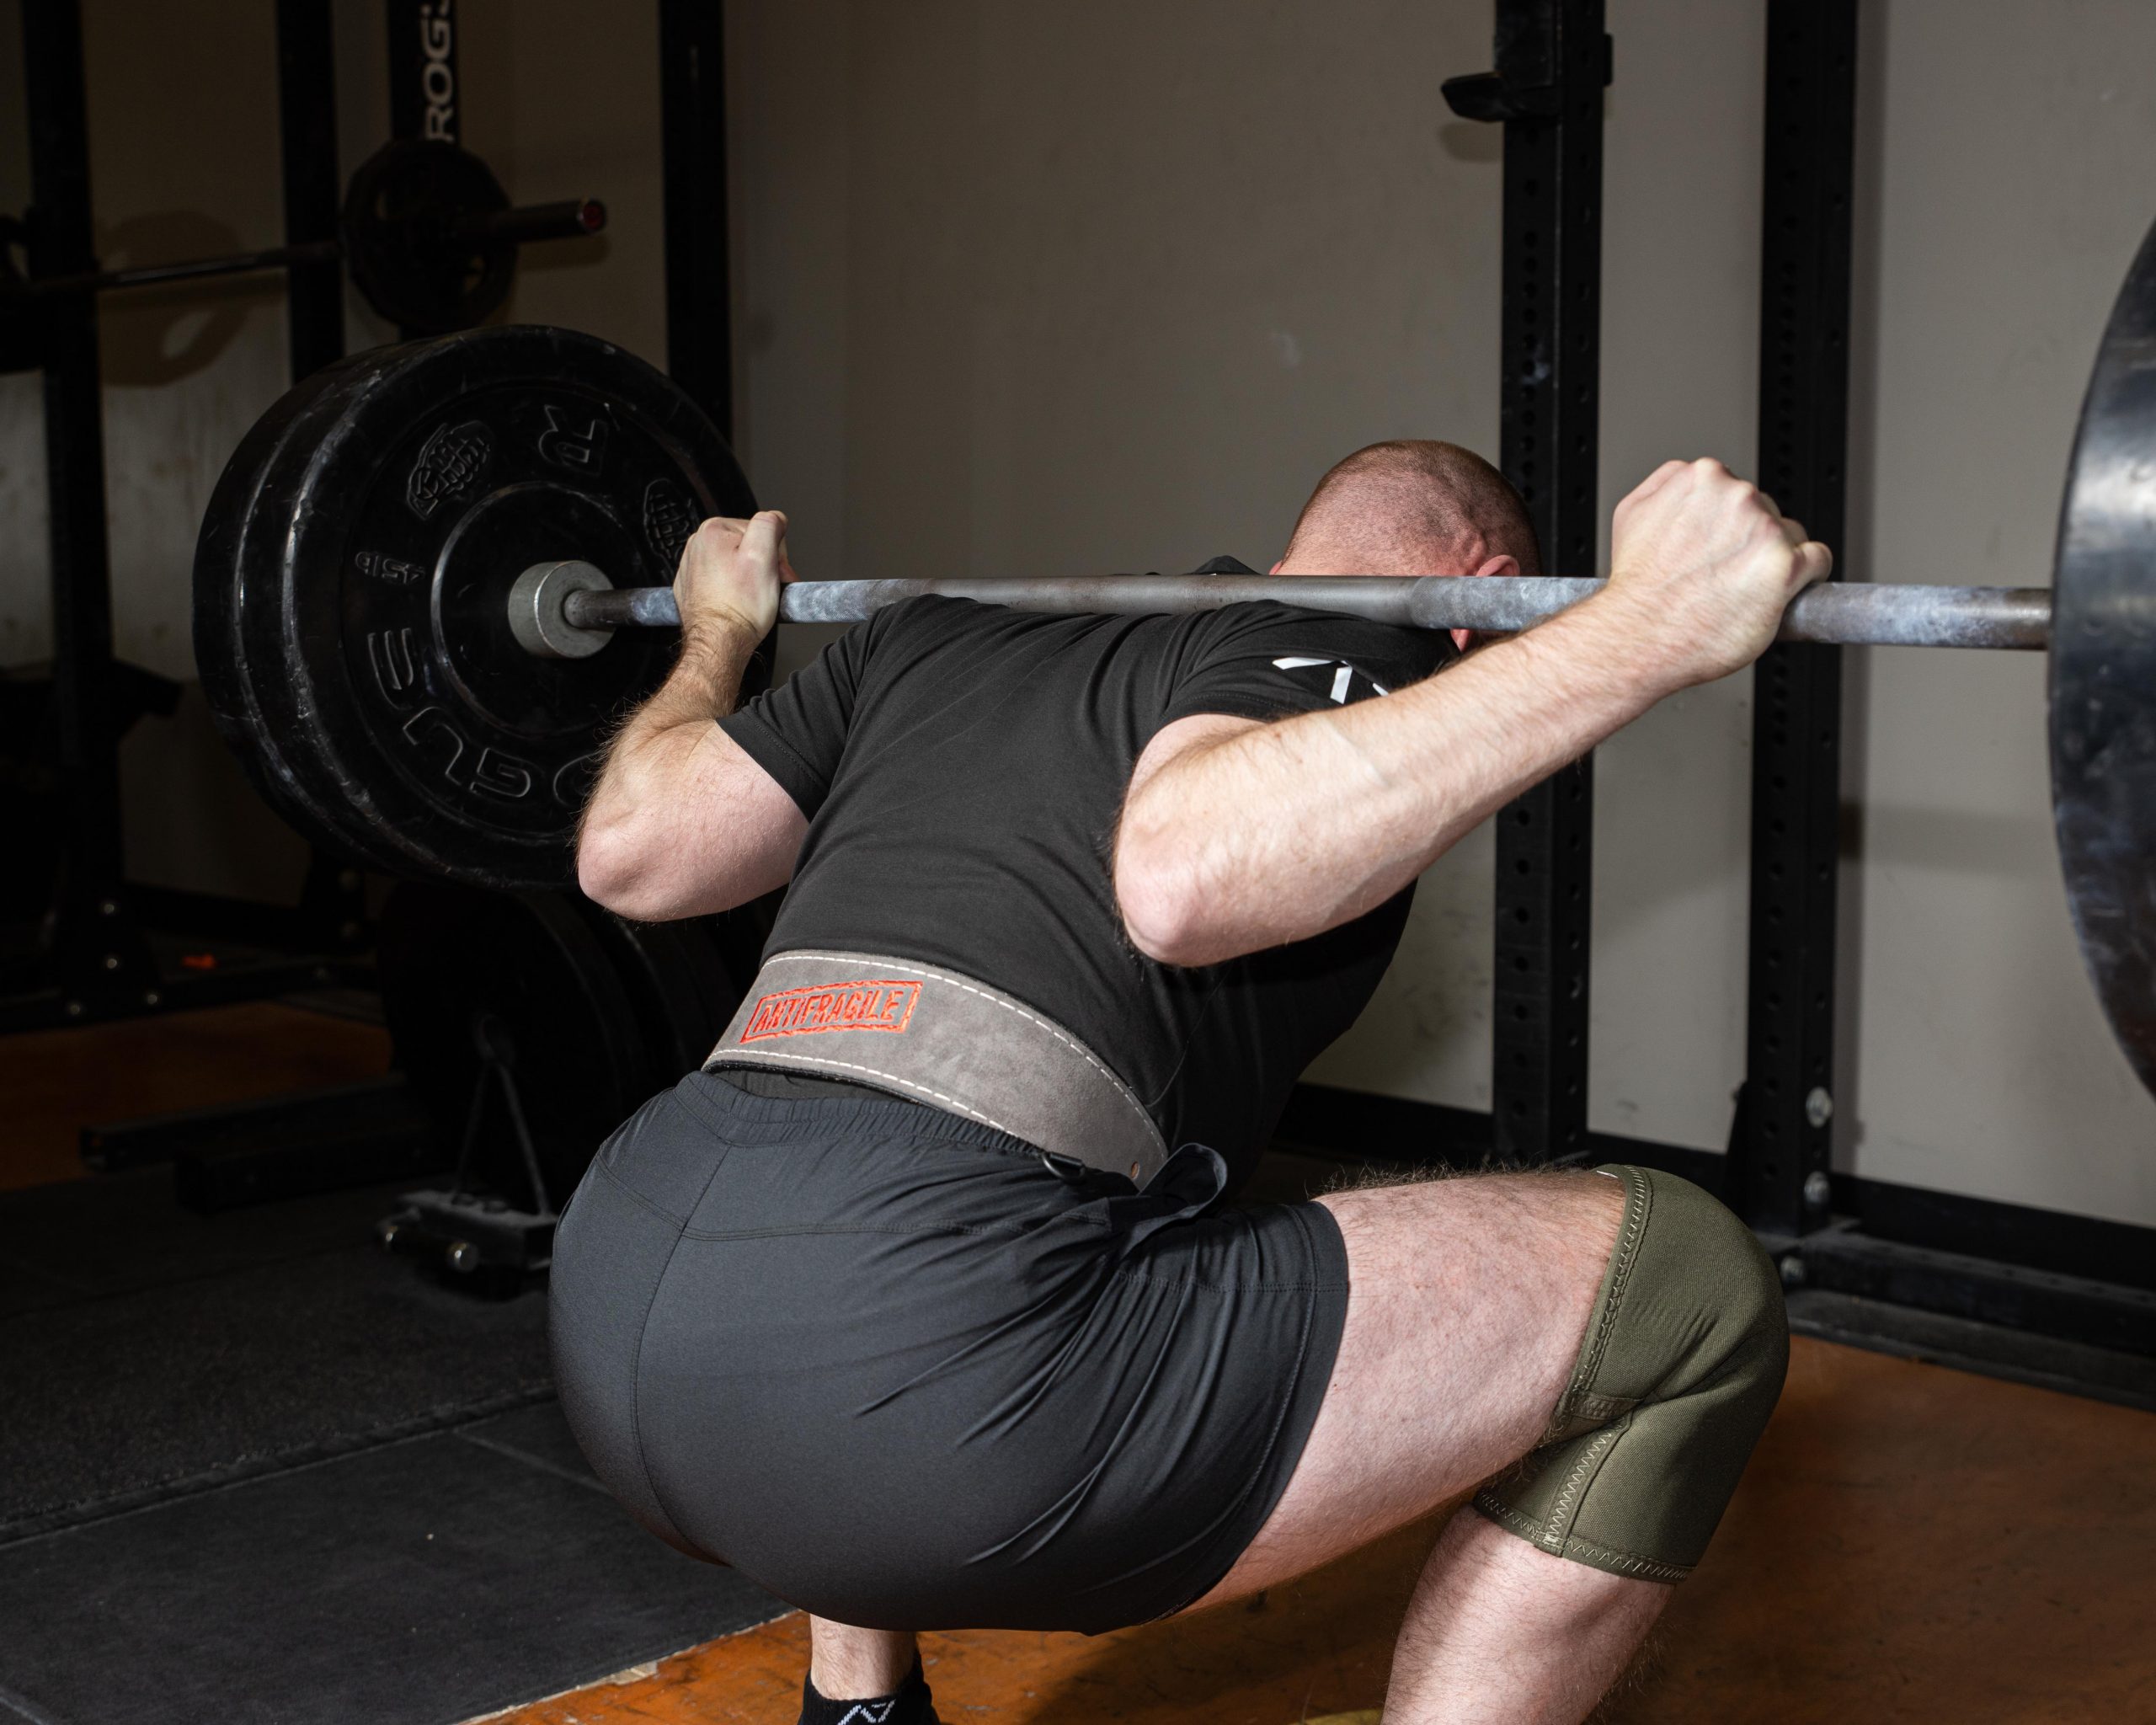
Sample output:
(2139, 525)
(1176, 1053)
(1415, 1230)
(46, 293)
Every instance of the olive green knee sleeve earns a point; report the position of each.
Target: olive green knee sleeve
(1683, 1361)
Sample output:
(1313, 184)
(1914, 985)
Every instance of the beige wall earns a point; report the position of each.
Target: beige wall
(1181, 260)
(1064, 288)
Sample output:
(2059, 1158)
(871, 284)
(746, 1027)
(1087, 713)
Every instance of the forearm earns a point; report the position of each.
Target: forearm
(657, 756)
(1287, 829)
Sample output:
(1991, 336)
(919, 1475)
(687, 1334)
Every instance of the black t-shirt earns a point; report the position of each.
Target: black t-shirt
(962, 766)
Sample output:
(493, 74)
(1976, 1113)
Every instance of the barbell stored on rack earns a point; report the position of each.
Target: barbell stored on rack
(429, 235)
(430, 579)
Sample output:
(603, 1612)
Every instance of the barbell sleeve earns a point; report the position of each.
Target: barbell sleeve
(570, 218)
(1844, 613)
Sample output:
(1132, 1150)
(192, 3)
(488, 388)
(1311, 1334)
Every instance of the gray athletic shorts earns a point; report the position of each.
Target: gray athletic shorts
(903, 1375)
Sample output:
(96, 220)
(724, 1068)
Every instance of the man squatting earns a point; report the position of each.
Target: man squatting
(923, 1304)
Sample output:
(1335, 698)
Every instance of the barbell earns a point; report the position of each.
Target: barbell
(569, 610)
(434, 575)
(429, 234)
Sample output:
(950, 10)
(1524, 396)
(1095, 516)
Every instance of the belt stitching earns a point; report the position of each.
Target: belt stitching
(951, 1103)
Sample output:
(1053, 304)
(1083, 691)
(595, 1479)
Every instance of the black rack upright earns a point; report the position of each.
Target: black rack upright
(1778, 1177)
(96, 949)
(692, 105)
(1553, 62)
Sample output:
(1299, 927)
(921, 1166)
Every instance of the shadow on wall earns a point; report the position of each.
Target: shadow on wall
(155, 336)
(1471, 140)
(547, 256)
(151, 336)
(1948, 841)
(1853, 555)
(193, 821)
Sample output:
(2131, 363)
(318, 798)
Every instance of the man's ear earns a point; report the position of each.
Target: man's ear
(1504, 564)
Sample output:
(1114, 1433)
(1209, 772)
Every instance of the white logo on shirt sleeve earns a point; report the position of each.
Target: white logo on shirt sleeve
(1343, 678)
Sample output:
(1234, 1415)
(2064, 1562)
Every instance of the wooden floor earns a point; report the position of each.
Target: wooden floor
(57, 1082)
(1911, 1544)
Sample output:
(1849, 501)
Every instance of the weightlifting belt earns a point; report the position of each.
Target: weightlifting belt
(934, 1036)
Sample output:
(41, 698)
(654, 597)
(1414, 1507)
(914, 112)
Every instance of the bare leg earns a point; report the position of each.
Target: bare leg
(1468, 1301)
(1499, 1632)
(849, 1664)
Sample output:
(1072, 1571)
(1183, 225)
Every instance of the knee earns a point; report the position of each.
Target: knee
(1700, 1320)
(1683, 1361)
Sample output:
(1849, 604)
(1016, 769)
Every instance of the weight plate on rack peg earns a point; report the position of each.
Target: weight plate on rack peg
(416, 238)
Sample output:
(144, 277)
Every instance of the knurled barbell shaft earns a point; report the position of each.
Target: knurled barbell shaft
(1853, 613)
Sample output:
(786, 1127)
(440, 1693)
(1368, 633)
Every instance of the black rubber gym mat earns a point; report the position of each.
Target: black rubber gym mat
(252, 1468)
(147, 1351)
(80, 1239)
(419, 1583)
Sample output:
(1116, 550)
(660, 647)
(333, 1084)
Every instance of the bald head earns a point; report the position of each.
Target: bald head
(1411, 507)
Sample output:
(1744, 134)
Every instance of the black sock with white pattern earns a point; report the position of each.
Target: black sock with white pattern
(911, 1705)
